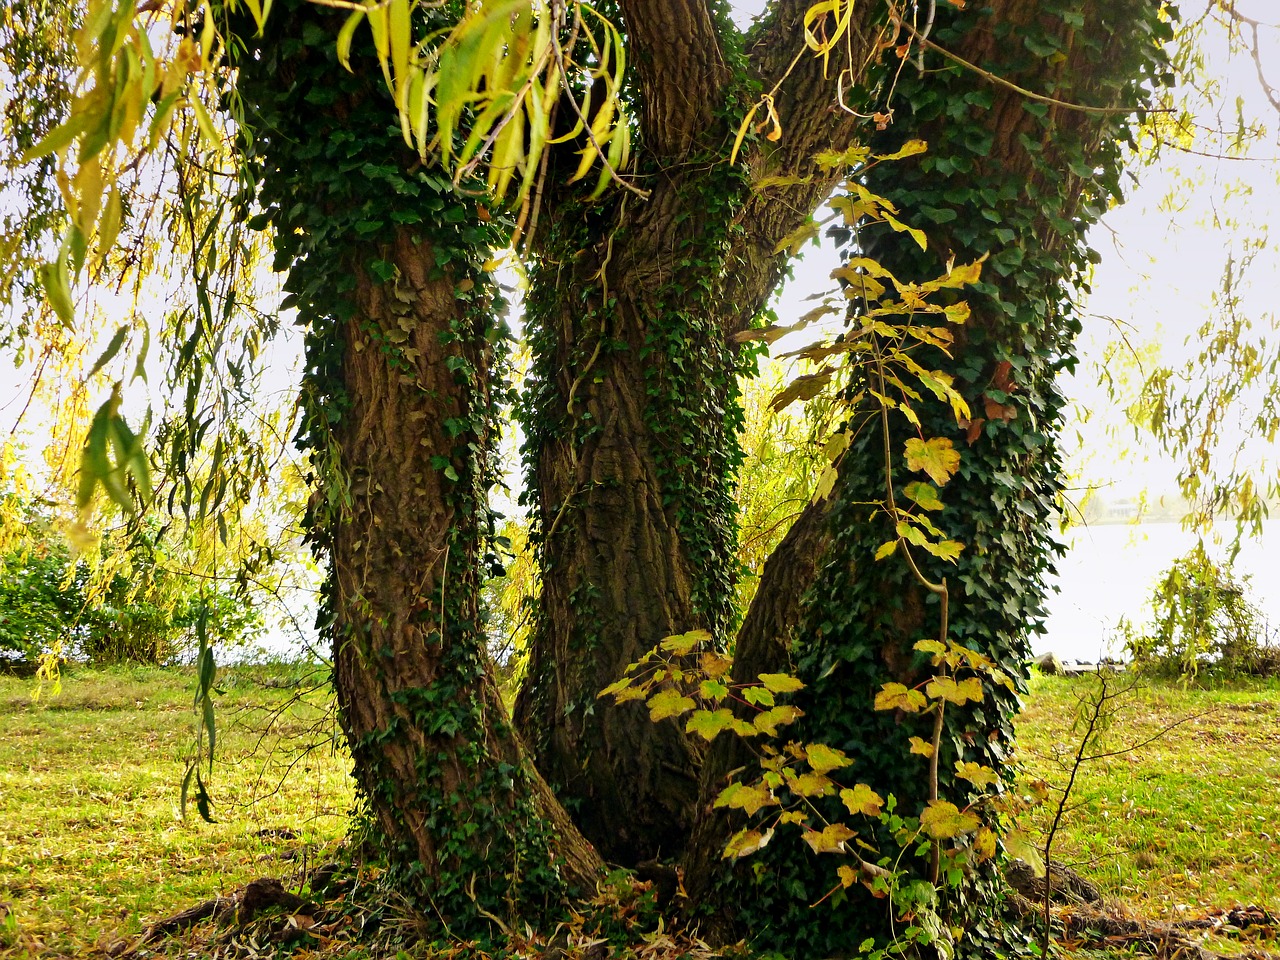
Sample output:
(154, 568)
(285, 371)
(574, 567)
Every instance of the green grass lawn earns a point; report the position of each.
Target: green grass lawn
(92, 845)
(1187, 823)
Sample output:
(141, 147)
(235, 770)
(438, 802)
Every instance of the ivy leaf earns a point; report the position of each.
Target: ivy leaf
(942, 820)
(976, 774)
(830, 839)
(862, 799)
(921, 746)
(945, 688)
(824, 759)
(769, 721)
(923, 494)
(897, 696)
(746, 842)
(749, 799)
(781, 682)
(683, 643)
(709, 724)
(669, 703)
(935, 456)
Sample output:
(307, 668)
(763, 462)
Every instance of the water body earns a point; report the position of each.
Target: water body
(1110, 571)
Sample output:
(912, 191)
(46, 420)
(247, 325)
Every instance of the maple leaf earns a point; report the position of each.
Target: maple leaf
(936, 457)
(830, 839)
(943, 820)
(669, 703)
(862, 799)
(824, 759)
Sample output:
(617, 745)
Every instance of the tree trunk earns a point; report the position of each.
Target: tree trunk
(384, 266)
(434, 750)
(1015, 180)
(632, 414)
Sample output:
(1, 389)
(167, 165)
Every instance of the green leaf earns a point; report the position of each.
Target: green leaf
(112, 349)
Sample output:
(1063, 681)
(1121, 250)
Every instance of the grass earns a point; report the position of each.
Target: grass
(1185, 824)
(92, 842)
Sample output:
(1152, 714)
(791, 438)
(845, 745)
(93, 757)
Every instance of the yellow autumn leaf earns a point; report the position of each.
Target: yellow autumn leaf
(976, 774)
(669, 703)
(740, 796)
(936, 457)
(942, 820)
(830, 839)
(897, 696)
(824, 759)
(862, 799)
(921, 746)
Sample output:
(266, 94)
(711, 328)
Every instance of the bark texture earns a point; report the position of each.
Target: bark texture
(435, 752)
(632, 415)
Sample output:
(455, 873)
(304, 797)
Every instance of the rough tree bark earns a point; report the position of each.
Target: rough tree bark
(991, 164)
(399, 419)
(633, 412)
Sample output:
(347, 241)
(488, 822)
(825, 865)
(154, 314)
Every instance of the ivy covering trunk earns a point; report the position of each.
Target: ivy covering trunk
(631, 417)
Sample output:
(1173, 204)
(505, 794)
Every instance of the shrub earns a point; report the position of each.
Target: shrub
(1203, 622)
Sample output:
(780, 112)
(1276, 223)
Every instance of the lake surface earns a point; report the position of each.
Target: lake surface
(1109, 571)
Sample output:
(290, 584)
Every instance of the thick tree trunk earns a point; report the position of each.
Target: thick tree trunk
(434, 751)
(632, 415)
(1009, 178)
(632, 456)
(383, 263)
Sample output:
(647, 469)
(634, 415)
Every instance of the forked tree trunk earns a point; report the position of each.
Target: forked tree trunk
(632, 414)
